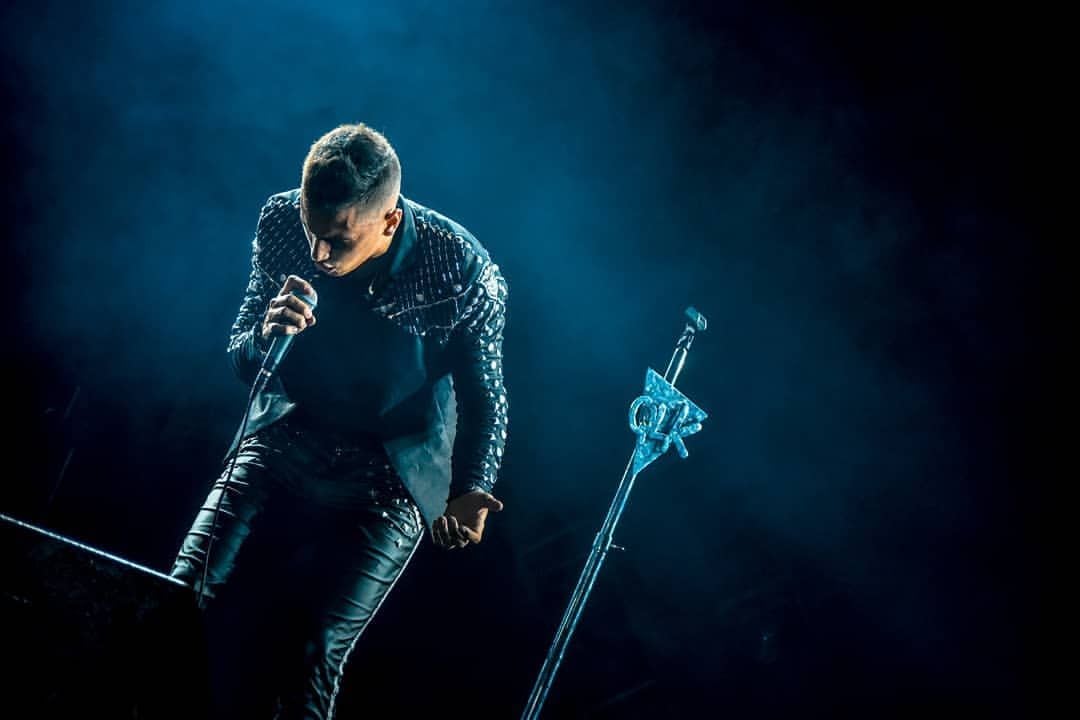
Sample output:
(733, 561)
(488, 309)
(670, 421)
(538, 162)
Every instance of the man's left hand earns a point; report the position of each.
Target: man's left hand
(463, 522)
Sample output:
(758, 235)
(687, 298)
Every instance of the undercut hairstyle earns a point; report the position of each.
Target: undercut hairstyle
(350, 165)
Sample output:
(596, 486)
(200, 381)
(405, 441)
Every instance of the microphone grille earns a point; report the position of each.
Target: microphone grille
(312, 300)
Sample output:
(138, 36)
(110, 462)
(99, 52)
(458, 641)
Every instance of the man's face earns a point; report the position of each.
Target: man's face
(344, 240)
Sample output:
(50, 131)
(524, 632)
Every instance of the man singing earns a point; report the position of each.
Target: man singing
(388, 414)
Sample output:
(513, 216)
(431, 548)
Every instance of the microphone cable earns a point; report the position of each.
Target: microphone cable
(262, 378)
(225, 487)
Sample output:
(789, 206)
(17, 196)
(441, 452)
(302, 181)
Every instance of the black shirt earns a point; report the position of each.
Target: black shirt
(336, 371)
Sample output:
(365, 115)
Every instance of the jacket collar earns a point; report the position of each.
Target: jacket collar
(401, 248)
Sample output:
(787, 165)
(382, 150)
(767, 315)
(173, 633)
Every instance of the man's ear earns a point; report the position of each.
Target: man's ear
(393, 219)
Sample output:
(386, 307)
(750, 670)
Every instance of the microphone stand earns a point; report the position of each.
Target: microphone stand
(660, 418)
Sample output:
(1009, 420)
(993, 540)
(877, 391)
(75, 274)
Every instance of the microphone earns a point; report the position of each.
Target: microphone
(280, 346)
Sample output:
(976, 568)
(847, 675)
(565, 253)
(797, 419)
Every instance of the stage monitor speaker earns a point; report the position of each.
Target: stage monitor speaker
(89, 634)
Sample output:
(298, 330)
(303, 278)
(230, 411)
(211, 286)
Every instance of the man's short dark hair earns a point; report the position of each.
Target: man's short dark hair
(350, 165)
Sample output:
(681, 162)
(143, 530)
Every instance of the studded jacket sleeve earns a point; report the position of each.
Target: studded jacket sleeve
(246, 346)
(475, 353)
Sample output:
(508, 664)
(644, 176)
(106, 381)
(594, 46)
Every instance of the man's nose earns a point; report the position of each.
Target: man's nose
(320, 251)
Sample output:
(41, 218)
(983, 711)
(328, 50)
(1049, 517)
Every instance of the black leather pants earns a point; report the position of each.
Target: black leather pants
(311, 536)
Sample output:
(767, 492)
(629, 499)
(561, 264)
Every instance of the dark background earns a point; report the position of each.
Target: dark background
(839, 191)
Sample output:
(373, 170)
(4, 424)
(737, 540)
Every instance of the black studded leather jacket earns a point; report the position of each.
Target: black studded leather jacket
(444, 425)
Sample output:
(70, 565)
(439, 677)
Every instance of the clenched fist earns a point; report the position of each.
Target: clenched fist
(288, 314)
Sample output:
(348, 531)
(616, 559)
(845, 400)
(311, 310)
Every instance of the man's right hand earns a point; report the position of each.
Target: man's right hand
(288, 314)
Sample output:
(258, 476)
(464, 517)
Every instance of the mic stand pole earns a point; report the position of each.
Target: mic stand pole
(660, 418)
